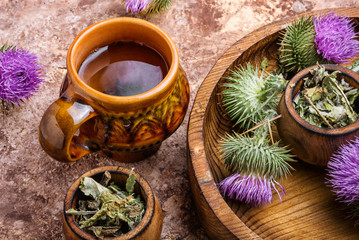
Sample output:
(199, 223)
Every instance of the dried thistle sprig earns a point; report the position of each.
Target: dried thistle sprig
(20, 76)
(251, 97)
(297, 47)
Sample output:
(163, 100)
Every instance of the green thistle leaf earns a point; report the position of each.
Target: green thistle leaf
(250, 98)
(297, 48)
(255, 155)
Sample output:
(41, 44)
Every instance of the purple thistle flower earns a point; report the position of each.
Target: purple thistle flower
(255, 191)
(343, 170)
(136, 6)
(20, 76)
(335, 38)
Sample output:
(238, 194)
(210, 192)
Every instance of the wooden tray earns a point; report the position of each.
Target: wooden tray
(308, 211)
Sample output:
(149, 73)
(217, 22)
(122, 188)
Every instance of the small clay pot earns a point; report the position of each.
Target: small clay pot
(312, 144)
(150, 226)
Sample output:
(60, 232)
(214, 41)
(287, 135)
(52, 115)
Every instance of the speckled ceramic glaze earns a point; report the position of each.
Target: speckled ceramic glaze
(127, 129)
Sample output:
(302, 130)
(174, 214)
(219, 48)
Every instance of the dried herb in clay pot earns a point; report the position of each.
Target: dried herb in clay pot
(326, 100)
(110, 211)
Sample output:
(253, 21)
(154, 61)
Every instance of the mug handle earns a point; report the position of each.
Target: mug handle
(59, 132)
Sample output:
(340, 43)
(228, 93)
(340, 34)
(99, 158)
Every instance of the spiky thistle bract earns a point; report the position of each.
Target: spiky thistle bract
(20, 76)
(257, 165)
(250, 97)
(255, 154)
(297, 48)
(157, 6)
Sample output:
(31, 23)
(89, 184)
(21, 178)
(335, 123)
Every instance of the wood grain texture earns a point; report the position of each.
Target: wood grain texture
(308, 211)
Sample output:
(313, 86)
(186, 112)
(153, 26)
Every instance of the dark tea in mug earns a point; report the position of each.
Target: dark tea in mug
(123, 69)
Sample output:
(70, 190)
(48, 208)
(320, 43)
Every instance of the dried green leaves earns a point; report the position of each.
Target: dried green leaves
(109, 211)
(326, 101)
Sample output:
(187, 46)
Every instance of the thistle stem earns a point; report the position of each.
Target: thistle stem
(270, 132)
(81, 212)
(261, 124)
(316, 109)
(344, 98)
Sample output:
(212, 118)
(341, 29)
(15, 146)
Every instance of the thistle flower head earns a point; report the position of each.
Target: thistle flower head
(335, 37)
(136, 6)
(343, 172)
(20, 76)
(297, 49)
(249, 189)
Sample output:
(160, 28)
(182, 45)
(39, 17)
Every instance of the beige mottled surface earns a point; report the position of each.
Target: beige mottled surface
(32, 185)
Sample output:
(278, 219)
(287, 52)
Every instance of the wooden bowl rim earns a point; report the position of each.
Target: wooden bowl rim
(288, 96)
(196, 150)
(143, 184)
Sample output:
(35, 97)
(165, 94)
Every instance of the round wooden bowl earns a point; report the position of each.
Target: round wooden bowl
(150, 226)
(310, 143)
(308, 211)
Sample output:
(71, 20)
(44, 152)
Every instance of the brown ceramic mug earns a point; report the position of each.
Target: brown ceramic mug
(125, 128)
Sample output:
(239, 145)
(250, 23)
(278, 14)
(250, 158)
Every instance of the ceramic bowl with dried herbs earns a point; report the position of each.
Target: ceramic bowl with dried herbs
(111, 202)
(319, 112)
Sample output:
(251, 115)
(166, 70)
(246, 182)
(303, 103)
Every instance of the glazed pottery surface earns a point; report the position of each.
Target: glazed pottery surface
(310, 143)
(127, 129)
(149, 228)
(307, 211)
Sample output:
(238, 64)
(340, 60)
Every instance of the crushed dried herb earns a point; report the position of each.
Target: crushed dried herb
(326, 101)
(110, 211)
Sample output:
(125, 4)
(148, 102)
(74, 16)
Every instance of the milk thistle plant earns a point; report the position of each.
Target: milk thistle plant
(343, 175)
(146, 7)
(20, 76)
(251, 96)
(320, 39)
(256, 161)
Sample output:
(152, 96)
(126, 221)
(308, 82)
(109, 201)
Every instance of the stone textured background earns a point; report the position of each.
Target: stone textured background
(32, 185)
